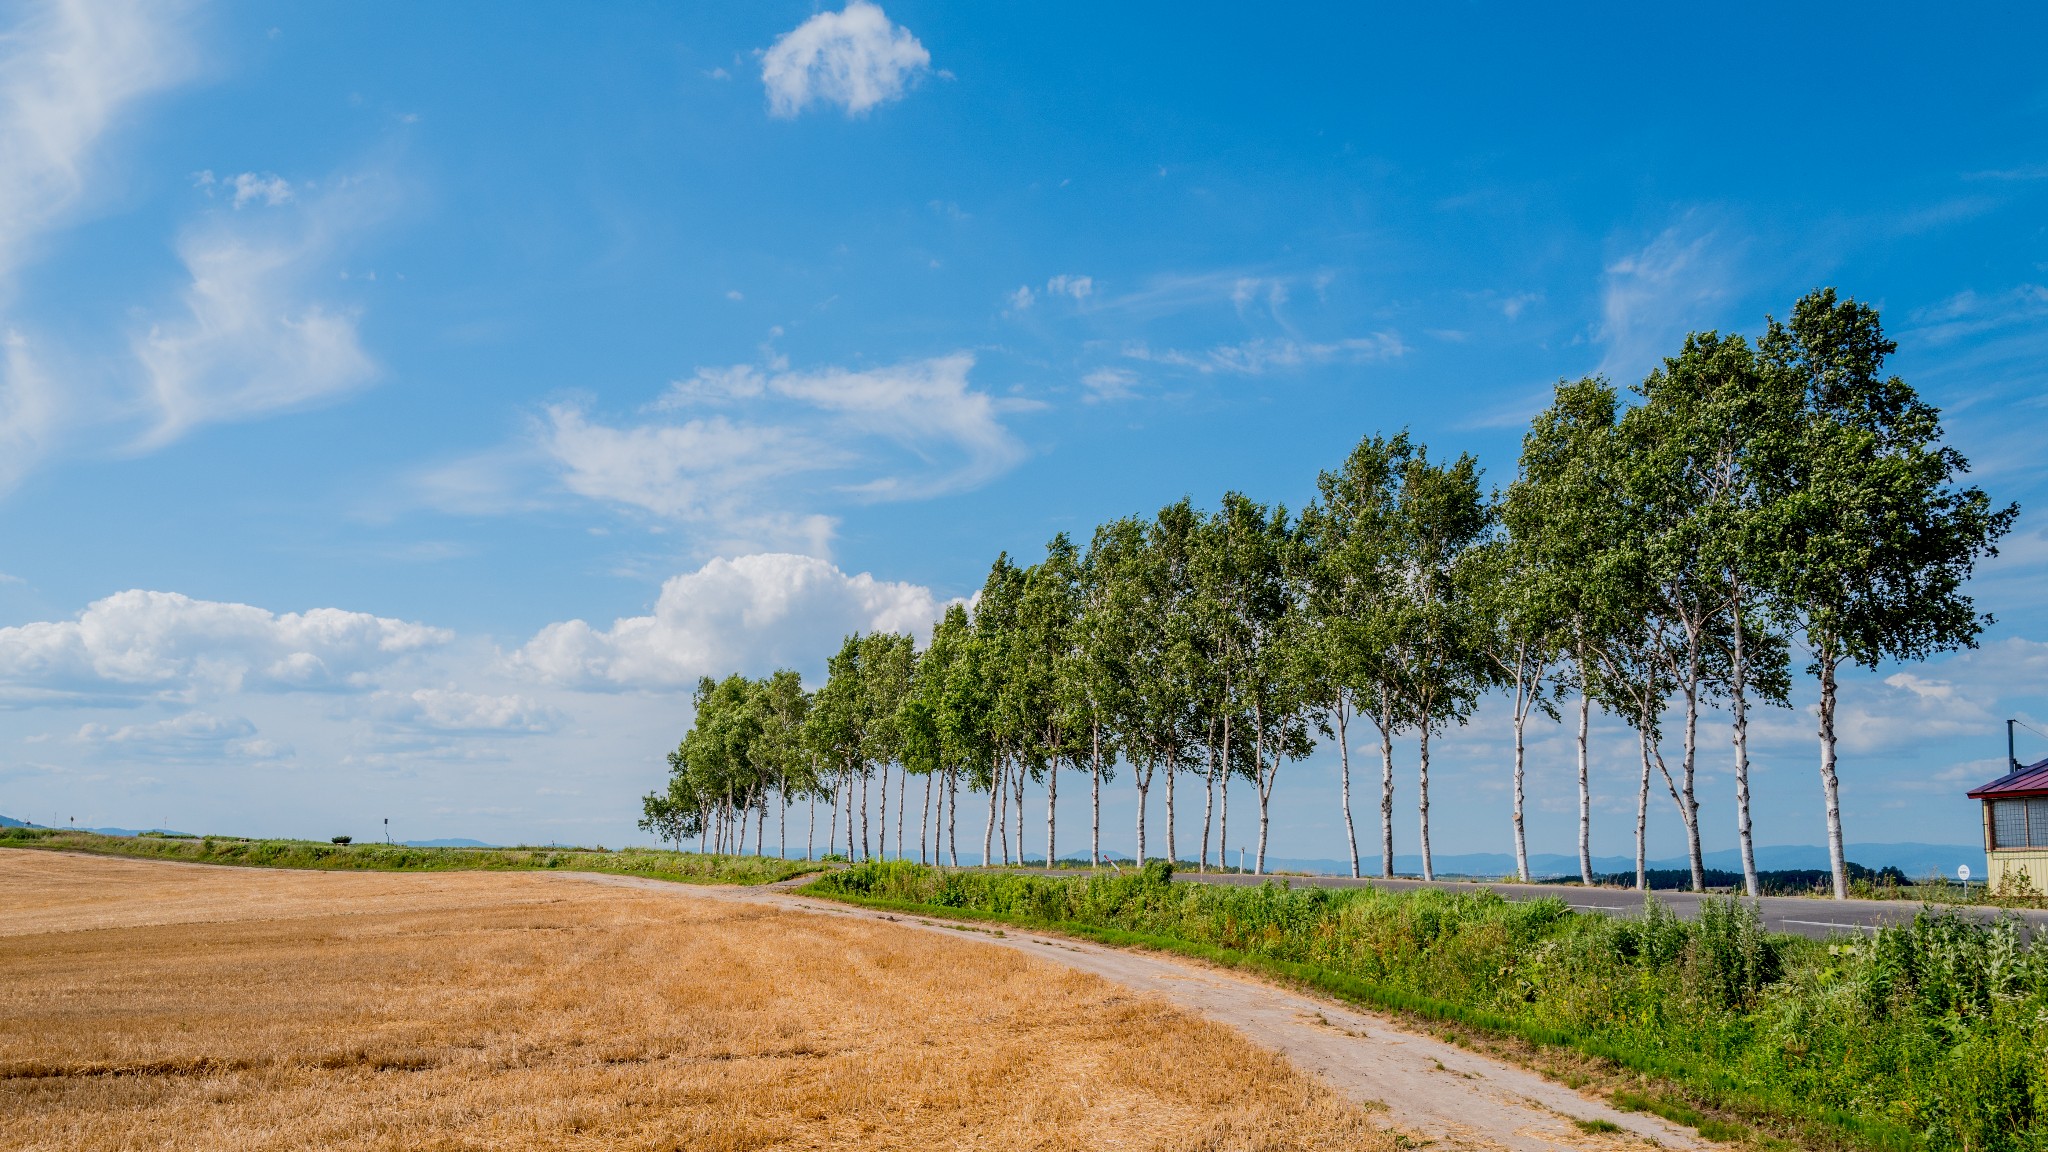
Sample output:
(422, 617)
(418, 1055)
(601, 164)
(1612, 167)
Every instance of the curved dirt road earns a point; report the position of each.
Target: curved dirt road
(1431, 1090)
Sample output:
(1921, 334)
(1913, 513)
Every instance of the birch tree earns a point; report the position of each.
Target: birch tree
(1880, 537)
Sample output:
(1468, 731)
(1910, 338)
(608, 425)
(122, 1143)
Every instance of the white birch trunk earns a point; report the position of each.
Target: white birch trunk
(1585, 780)
(1344, 776)
(1830, 785)
(1422, 805)
(1741, 736)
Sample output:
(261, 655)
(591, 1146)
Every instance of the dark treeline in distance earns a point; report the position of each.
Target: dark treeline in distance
(1748, 513)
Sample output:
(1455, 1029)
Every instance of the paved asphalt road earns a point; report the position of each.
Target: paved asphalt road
(1795, 915)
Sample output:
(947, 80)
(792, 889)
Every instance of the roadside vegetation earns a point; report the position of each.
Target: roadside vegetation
(1927, 1035)
(651, 862)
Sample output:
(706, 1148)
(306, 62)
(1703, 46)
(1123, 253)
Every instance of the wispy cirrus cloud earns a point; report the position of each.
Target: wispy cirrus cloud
(1652, 296)
(187, 736)
(1261, 355)
(71, 72)
(753, 452)
(254, 337)
(450, 710)
(854, 58)
(248, 335)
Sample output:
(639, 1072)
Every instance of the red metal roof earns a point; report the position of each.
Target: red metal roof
(2031, 780)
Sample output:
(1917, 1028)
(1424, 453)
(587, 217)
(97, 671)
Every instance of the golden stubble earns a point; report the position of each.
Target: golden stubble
(193, 1007)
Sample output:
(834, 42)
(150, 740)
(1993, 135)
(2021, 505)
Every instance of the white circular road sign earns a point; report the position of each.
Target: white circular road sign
(1963, 873)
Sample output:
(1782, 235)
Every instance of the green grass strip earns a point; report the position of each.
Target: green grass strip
(654, 863)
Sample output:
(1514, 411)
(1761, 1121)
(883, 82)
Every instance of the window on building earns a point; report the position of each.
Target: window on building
(2009, 824)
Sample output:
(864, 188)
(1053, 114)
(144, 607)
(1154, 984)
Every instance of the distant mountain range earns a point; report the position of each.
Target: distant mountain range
(1915, 860)
(452, 842)
(10, 822)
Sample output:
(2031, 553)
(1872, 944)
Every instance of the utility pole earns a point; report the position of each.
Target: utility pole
(387, 829)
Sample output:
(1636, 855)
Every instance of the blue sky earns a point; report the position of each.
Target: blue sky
(401, 405)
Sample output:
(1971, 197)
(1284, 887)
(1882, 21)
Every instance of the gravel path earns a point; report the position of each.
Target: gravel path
(1430, 1090)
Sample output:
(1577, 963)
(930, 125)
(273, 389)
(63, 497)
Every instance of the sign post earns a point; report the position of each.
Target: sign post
(1963, 874)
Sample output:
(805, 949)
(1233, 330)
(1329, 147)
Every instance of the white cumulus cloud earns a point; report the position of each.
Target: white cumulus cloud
(137, 644)
(854, 58)
(750, 614)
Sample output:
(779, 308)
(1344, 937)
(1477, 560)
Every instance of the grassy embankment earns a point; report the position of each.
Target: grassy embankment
(1928, 1035)
(659, 864)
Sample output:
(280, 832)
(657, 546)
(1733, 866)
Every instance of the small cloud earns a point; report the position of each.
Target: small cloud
(1513, 306)
(1922, 687)
(2033, 172)
(718, 74)
(1250, 288)
(1021, 299)
(1078, 287)
(250, 187)
(1105, 384)
(854, 58)
(733, 294)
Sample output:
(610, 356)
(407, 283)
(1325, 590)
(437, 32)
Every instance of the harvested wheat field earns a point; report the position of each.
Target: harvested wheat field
(157, 1006)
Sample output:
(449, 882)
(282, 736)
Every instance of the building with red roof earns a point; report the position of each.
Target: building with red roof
(2016, 826)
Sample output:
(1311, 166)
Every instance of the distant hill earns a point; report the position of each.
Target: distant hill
(11, 822)
(452, 842)
(1915, 860)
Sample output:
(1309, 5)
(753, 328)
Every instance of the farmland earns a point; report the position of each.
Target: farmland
(157, 1006)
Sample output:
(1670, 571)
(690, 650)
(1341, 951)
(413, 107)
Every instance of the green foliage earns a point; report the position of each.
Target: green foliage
(1926, 1036)
(662, 865)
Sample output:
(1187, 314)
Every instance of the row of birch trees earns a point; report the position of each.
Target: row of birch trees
(1750, 512)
